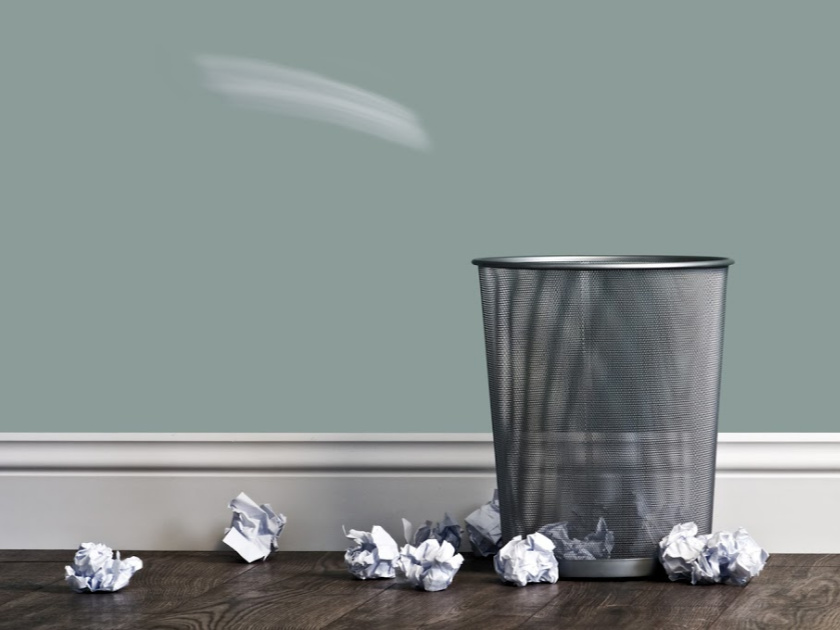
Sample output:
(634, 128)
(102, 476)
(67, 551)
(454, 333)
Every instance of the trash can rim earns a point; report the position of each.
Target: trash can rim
(604, 262)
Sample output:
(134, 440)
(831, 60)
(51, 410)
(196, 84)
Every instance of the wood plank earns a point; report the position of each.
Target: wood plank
(199, 590)
(18, 579)
(37, 555)
(282, 607)
(804, 560)
(165, 581)
(457, 607)
(476, 599)
(643, 604)
(283, 593)
(635, 604)
(787, 597)
(321, 572)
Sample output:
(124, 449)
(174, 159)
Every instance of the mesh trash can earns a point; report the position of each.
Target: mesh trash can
(604, 376)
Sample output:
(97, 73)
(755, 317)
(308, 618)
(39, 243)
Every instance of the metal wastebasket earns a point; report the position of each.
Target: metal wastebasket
(604, 376)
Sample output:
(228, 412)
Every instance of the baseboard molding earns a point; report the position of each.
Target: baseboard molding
(170, 491)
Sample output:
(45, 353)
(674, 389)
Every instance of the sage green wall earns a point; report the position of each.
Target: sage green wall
(170, 262)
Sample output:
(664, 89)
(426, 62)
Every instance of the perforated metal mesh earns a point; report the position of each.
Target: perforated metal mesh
(604, 397)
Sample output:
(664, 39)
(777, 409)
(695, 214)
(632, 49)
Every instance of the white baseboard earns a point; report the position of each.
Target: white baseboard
(170, 491)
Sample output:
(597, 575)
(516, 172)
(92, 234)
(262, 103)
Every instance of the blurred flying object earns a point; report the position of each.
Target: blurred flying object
(263, 85)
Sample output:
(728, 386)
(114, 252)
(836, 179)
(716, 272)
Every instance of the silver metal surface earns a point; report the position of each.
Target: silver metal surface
(604, 386)
(604, 262)
(594, 569)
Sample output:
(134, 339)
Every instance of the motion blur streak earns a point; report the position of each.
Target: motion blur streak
(263, 85)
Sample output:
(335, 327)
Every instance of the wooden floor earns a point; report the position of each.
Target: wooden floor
(313, 590)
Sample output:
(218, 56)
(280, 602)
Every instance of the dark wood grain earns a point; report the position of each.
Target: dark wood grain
(787, 597)
(205, 590)
(292, 590)
(37, 555)
(318, 572)
(635, 604)
(476, 599)
(804, 560)
(167, 580)
(282, 607)
(18, 579)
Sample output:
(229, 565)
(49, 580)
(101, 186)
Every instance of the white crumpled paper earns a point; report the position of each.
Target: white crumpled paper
(95, 568)
(594, 546)
(254, 529)
(374, 554)
(529, 560)
(484, 527)
(432, 565)
(448, 529)
(722, 557)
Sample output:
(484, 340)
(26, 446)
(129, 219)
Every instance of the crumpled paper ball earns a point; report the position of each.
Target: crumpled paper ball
(723, 557)
(594, 546)
(95, 568)
(679, 550)
(431, 566)
(447, 530)
(524, 561)
(254, 529)
(740, 557)
(374, 554)
(484, 527)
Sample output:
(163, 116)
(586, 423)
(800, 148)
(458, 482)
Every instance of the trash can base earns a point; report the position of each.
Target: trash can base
(613, 568)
